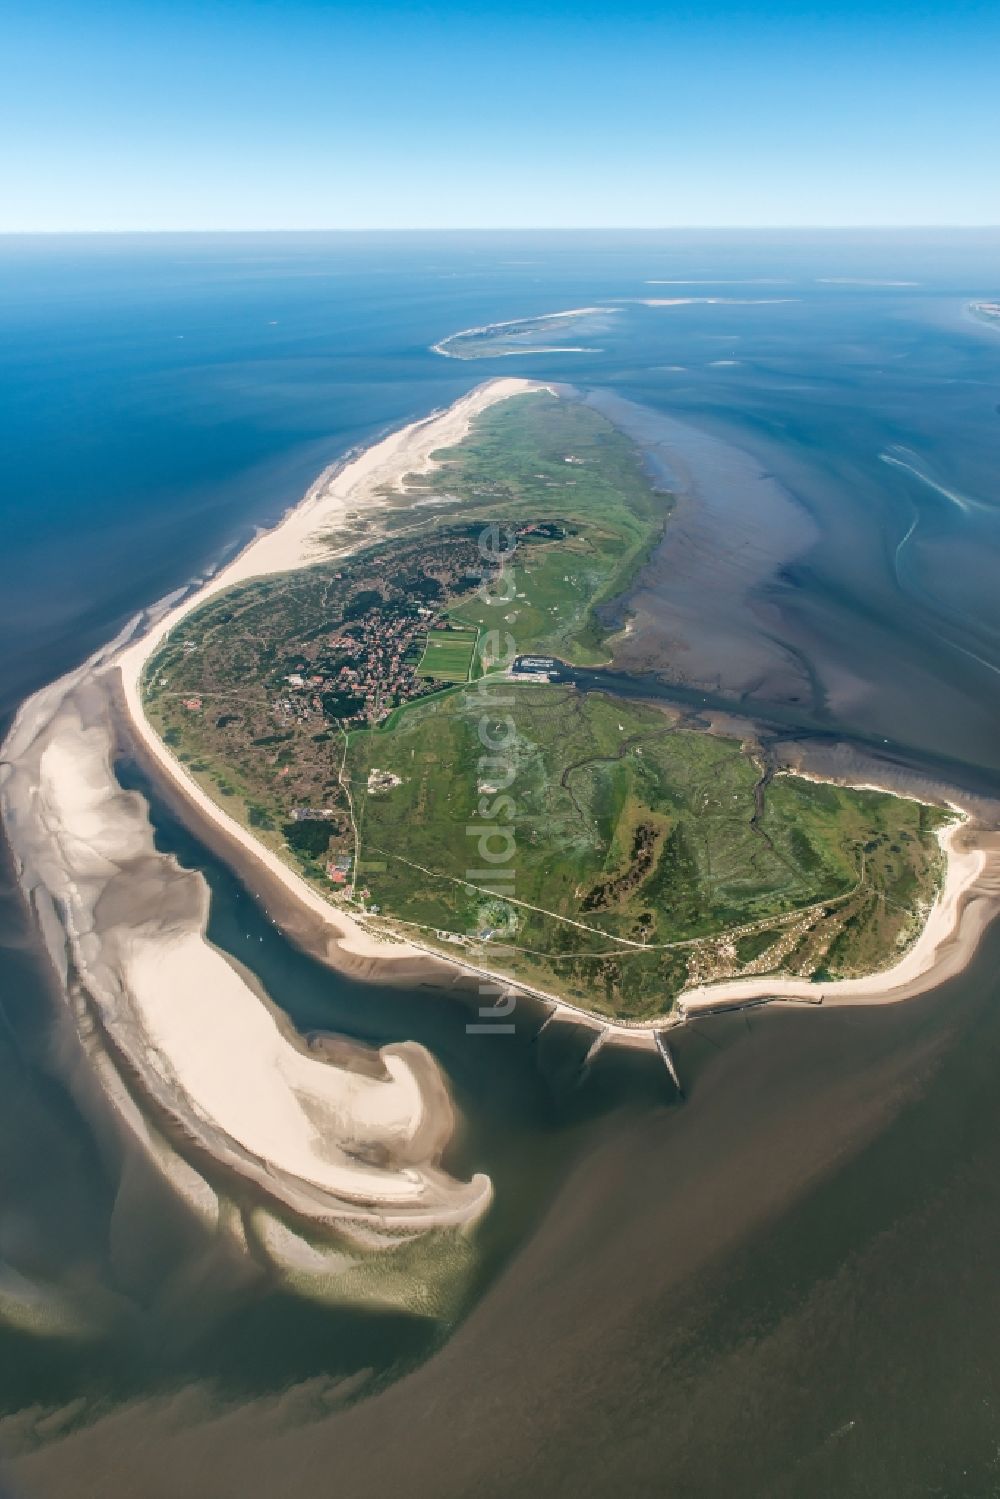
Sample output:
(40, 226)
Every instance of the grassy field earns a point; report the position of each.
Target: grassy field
(540, 459)
(637, 864)
(448, 655)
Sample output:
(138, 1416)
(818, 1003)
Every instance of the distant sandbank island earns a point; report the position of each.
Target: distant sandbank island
(988, 312)
(549, 332)
(545, 334)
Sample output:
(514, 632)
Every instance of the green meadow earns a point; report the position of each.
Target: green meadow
(448, 655)
(552, 462)
(630, 846)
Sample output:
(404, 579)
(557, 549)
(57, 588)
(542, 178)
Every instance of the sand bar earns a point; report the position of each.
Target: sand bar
(351, 1142)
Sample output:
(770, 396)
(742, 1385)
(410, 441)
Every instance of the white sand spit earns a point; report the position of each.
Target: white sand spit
(351, 1144)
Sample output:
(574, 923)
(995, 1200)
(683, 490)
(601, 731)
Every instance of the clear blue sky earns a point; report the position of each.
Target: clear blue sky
(240, 114)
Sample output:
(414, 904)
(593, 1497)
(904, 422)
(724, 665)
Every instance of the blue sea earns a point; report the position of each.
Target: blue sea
(783, 1286)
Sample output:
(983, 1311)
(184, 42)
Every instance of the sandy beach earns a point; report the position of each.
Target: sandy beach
(349, 1142)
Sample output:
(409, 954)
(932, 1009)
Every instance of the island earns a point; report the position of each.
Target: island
(395, 721)
(391, 714)
(545, 334)
(986, 312)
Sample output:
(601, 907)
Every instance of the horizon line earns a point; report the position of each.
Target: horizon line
(516, 229)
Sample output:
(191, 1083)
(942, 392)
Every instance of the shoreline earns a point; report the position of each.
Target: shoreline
(342, 493)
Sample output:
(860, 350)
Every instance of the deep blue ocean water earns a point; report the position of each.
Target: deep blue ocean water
(161, 396)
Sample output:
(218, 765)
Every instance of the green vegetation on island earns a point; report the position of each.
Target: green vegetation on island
(565, 471)
(357, 716)
(634, 856)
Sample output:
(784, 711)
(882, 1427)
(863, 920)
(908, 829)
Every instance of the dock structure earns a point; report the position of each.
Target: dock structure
(552, 1015)
(603, 1035)
(534, 669)
(668, 1060)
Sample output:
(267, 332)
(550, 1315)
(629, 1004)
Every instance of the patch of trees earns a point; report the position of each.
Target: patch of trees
(362, 603)
(342, 704)
(422, 587)
(310, 836)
